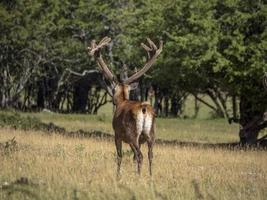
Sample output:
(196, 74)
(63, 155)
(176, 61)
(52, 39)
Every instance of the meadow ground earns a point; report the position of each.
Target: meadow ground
(58, 167)
(193, 130)
(203, 129)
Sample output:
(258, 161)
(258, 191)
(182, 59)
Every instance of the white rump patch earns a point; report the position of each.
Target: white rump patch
(144, 123)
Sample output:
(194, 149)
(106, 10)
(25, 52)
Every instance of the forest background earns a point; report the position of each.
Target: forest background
(214, 52)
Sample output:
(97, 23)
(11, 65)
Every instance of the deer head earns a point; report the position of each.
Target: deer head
(119, 89)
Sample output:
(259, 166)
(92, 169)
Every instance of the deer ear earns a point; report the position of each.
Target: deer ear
(134, 86)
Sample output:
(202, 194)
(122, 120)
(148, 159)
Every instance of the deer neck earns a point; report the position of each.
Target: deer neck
(121, 94)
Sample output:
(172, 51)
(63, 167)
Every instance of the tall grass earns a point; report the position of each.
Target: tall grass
(71, 168)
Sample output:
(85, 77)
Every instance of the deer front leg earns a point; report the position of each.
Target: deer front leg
(118, 144)
(150, 154)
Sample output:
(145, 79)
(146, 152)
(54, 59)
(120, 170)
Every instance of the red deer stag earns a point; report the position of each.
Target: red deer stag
(133, 121)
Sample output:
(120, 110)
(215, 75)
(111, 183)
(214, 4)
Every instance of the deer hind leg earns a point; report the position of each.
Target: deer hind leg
(139, 156)
(118, 144)
(135, 154)
(150, 154)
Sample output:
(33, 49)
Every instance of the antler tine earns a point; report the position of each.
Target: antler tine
(151, 43)
(101, 63)
(94, 48)
(104, 41)
(153, 52)
(145, 47)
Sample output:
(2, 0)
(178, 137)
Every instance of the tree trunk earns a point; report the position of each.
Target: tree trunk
(196, 108)
(166, 106)
(41, 95)
(219, 109)
(135, 94)
(142, 86)
(157, 103)
(175, 107)
(80, 97)
(253, 109)
(56, 101)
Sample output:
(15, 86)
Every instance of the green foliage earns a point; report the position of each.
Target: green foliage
(214, 39)
(16, 121)
(208, 46)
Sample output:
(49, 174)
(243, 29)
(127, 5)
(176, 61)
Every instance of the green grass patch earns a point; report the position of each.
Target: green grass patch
(16, 121)
(195, 130)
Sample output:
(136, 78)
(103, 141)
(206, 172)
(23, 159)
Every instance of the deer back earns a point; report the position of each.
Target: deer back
(132, 118)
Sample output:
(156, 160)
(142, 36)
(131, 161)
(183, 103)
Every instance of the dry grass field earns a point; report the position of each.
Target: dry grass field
(57, 167)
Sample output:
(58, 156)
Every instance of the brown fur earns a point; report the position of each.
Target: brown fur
(125, 125)
(133, 121)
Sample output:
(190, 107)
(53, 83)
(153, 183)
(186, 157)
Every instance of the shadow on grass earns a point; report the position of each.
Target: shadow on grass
(23, 186)
(52, 128)
(29, 123)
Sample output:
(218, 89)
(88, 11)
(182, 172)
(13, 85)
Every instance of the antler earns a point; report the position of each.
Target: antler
(153, 52)
(94, 50)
